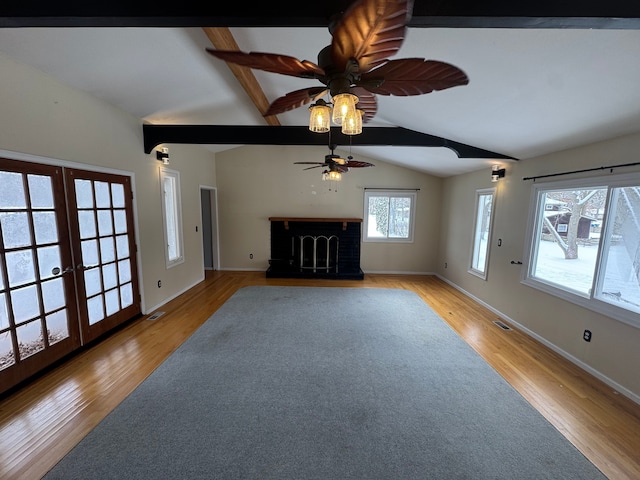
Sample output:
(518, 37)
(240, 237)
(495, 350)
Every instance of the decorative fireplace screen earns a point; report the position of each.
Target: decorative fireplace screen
(317, 253)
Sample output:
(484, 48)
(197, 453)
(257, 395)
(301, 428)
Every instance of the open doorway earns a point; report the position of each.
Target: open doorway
(209, 214)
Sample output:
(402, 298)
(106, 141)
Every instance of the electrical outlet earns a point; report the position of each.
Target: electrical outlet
(159, 283)
(251, 256)
(587, 335)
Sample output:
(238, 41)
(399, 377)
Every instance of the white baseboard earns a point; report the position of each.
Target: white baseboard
(176, 295)
(587, 368)
(387, 272)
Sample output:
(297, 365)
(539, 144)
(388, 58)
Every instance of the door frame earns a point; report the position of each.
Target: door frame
(212, 220)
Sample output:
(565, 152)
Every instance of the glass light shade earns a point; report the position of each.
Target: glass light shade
(344, 104)
(352, 124)
(319, 118)
(333, 175)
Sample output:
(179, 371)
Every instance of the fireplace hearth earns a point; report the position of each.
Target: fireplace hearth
(315, 248)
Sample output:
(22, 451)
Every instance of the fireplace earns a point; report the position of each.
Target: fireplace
(315, 248)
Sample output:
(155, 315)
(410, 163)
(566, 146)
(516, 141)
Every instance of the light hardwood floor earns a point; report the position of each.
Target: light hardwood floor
(42, 421)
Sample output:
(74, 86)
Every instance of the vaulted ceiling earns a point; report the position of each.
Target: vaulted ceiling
(542, 77)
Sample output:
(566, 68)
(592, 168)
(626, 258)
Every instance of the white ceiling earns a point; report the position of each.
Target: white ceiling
(530, 91)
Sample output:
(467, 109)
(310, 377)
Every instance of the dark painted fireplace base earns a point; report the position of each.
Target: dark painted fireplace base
(288, 262)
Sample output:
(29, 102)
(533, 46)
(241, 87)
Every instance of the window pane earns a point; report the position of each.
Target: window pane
(107, 250)
(20, 267)
(92, 283)
(26, 304)
(84, 194)
(45, 227)
(620, 283)
(481, 232)
(103, 195)
(117, 195)
(6, 350)
(169, 205)
(15, 229)
(87, 223)
(122, 246)
(399, 215)
(53, 294)
(48, 259)
(30, 339)
(57, 326)
(378, 225)
(96, 309)
(89, 253)
(40, 191)
(120, 219)
(105, 224)
(567, 244)
(12, 191)
(4, 312)
(172, 222)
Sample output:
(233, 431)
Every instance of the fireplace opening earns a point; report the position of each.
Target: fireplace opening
(317, 253)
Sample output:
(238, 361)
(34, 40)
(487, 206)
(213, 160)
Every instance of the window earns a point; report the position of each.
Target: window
(482, 232)
(389, 216)
(585, 244)
(172, 216)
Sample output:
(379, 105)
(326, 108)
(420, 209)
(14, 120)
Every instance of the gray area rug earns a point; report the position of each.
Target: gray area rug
(324, 383)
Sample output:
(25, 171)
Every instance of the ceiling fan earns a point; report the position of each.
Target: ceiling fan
(357, 61)
(335, 165)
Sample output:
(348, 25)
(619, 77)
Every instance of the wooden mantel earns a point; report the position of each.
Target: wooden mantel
(286, 220)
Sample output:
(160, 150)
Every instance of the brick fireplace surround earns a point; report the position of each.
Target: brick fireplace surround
(315, 248)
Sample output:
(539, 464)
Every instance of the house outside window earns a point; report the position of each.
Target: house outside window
(483, 223)
(389, 216)
(172, 216)
(585, 244)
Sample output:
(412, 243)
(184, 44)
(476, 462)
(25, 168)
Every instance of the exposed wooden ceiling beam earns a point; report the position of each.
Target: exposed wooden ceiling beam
(222, 39)
(622, 14)
(154, 135)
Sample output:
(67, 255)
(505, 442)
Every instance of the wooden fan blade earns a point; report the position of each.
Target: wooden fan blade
(271, 62)
(370, 31)
(309, 163)
(413, 76)
(293, 100)
(367, 102)
(358, 164)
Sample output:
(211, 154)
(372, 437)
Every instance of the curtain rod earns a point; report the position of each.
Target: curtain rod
(581, 171)
(394, 189)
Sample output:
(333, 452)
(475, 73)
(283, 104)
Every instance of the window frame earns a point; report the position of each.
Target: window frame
(412, 195)
(474, 240)
(590, 301)
(176, 218)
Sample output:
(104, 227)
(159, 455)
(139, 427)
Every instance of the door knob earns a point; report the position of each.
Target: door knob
(56, 270)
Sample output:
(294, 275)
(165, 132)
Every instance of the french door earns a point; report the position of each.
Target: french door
(68, 270)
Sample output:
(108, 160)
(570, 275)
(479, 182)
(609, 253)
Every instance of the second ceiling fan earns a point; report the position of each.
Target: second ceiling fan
(357, 61)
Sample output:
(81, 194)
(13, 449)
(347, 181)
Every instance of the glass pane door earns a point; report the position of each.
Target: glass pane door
(101, 220)
(38, 313)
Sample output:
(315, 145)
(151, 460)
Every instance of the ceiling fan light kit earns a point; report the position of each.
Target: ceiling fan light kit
(355, 67)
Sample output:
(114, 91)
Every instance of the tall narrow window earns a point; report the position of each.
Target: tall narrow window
(172, 216)
(482, 232)
(389, 216)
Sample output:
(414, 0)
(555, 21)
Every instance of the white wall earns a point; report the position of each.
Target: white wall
(258, 182)
(42, 118)
(613, 353)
